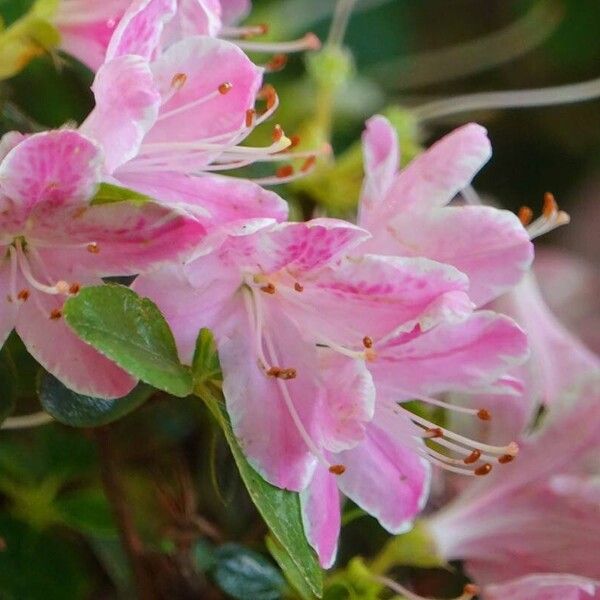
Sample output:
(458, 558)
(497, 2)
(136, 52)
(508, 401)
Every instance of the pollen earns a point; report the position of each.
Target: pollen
(284, 171)
(298, 287)
(277, 63)
(471, 590)
(525, 215)
(250, 114)
(308, 164)
(23, 295)
(550, 206)
(280, 373)
(367, 342)
(277, 133)
(74, 289)
(506, 458)
(268, 289)
(483, 469)
(434, 432)
(55, 314)
(93, 248)
(268, 94)
(178, 80)
(225, 88)
(472, 458)
(484, 414)
(294, 141)
(337, 469)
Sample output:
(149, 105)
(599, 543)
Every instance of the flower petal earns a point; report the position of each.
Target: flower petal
(234, 11)
(545, 586)
(194, 17)
(8, 305)
(127, 105)
(59, 351)
(49, 170)
(321, 515)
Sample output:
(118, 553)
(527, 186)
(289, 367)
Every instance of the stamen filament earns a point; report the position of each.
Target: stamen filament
(58, 288)
(188, 106)
(308, 42)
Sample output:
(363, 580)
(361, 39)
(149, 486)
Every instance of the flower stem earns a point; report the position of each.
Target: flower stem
(27, 421)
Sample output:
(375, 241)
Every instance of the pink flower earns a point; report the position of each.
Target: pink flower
(544, 586)
(543, 514)
(407, 212)
(52, 242)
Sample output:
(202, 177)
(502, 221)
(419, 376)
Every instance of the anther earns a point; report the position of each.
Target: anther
(268, 289)
(55, 314)
(525, 215)
(434, 432)
(93, 248)
(225, 88)
(294, 141)
(337, 469)
(483, 469)
(277, 63)
(23, 295)
(268, 94)
(178, 80)
(250, 114)
(273, 371)
(550, 206)
(284, 171)
(484, 414)
(290, 373)
(506, 458)
(277, 133)
(74, 289)
(308, 164)
(470, 591)
(472, 458)
(367, 342)
(298, 287)
(255, 30)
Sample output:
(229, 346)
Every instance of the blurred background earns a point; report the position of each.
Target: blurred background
(57, 535)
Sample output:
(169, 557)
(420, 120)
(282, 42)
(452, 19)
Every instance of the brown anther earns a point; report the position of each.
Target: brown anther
(55, 314)
(286, 374)
(250, 114)
(93, 248)
(277, 63)
(225, 88)
(506, 458)
(484, 414)
(367, 342)
(298, 287)
(268, 289)
(525, 215)
(294, 141)
(483, 469)
(434, 432)
(471, 588)
(274, 371)
(23, 295)
(550, 206)
(284, 171)
(178, 80)
(308, 164)
(268, 94)
(472, 458)
(337, 469)
(277, 133)
(260, 29)
(74, 289)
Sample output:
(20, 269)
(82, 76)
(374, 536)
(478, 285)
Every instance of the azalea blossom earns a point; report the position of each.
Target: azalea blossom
(545, 586)
(407, 213)
(53, 242)
(543, 514)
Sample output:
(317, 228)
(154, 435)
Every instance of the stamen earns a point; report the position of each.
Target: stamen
(294, 141)
(469, 591)
(178, 80)
(23, 295)
(55, 314)
(308, 164)
(525, 215)
(472, 458)
(284, 171)
(93, 248)
(280, 373)
(269, 95)
(484, 469)
(225, 88)
(13, 273)
(246, 32)
(337, 469)
(268, 289)
(433, 432)
(484, 414)
(277, 133)
(74, 289)
(298, 287)
(61, 287)
(505, 459)
(367, 342)
(551, 218)
(250, 115)
(308, 42)
(277, 63)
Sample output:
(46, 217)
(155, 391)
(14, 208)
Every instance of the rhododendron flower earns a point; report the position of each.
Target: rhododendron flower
(542, 514)
(53, 241)
(544, 586)
(407, 212)
(278, 296)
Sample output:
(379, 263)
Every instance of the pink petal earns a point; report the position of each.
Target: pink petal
(127, 104)
(8, 305)
(201, 65)
(140, 29)
(234, 11)
(381, 158)
(384, 475)
(379, 295)
(59, 351)
(212, 199)
(459, 356)
(492, 247)
(49, 170)
(260, 418)
(545, 586)
(194, 17)
(321, 515)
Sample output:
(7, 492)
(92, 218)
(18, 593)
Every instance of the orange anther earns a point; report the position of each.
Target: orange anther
(337, 469)
(225, 88)
(483, 469)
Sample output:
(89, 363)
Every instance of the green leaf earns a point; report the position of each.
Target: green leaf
(76, 410)
(284, 560)
(247, 575)
(131, 331)
(8, 384)
(108, 194)
(205, 365)
(279, 508)
(88, 512)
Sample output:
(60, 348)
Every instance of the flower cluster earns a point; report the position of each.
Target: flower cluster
(326, 329)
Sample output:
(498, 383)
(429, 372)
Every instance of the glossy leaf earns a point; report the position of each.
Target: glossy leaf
(108, 193)
(205, 365)
(131, 331)
(290, 570)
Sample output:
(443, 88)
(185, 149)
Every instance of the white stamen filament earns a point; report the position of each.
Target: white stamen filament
(61, 287)
(13, 273)
(442, 404)
(308, 42)
(550, 96)
(275, 180)
(547, 223)
(188, 106)
(27, 421)
(436, 459)
(237, 32)
(339, 24)
(406, 593)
